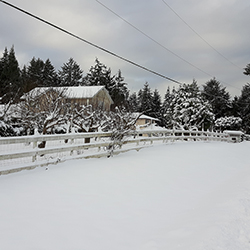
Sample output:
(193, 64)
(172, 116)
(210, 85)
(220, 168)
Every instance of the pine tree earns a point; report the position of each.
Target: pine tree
(145, 96)
(24, 80)
(70, 74)
(218, 97)
(9, 77)
(39, 74)
(133, 103)
(243, 105)
(156, 105)
(189, 109)
(49, 77)
(35, 73)
(4, 74)
(167, 100)
(99, 75)
(139, 99)
(247, 70)
(167, 109)
(119, 91)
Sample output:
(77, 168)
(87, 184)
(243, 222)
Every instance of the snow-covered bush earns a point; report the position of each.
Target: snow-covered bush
(228, 123)
(120, 123)
(6, 129)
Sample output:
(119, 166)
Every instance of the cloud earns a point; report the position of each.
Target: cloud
(223, 24)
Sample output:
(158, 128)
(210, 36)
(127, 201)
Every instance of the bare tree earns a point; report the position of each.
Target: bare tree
(43, 110)
(121, 123)
(85, 119)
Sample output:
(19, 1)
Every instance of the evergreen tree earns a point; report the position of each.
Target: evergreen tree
(1, 64)
(139, 99)
(146, 103)
(235, 107)
(35, 73)
(27, 82)
(70, 74)
(24, 80)
(50, 77)
(119, 91)
(156, 105)
(99, 75)
(189, 109)
(9, 77)
(243, 105)
(167, 100)
(166, 110)
(39, 74)
(133, 103)
(218, 97)
(4, 74)
(247, 70)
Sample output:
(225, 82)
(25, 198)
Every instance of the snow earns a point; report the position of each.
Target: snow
(148, 118)
(185, 196)
(233, 132)
(70, 92)
(83, 91)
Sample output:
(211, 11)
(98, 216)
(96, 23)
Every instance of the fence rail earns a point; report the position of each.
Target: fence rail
(25, 150)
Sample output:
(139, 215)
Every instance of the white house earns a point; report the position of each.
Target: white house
(145, 121)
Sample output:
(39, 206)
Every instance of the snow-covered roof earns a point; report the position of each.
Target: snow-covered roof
(71, 92)
(83, 91)
(233, 132)
(136, 114)
(148, 118)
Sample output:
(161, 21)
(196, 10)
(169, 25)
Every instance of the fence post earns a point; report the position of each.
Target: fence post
(34, 146)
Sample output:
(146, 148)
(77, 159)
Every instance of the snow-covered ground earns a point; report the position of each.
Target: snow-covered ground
(185, 196)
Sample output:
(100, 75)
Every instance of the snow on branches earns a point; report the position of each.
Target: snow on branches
(188, 110)
(228, 123)
(120, 123)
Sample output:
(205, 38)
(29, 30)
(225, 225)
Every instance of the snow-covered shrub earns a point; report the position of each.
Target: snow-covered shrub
(6, 129)
(120, 123)
(228, 123)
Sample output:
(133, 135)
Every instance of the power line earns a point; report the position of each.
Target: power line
(164, 47)
(200, 35)
(90, 43)
(152, 39)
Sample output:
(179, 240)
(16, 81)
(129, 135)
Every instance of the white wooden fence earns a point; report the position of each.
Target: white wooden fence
(19, 153)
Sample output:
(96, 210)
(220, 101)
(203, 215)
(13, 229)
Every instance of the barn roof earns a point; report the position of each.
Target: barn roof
(83, 91)
(71, 92)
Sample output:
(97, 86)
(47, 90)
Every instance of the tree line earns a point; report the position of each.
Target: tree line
(14, 82)
(188, 106)
(192, 107)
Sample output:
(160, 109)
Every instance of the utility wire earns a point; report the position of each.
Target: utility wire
(200, 35)
(164, 47)
(152, 39)
(90, 43)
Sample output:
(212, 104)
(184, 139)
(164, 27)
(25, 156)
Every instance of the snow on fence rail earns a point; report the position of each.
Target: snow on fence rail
(19, 153)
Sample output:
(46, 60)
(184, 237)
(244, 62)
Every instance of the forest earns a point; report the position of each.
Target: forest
(188, 106)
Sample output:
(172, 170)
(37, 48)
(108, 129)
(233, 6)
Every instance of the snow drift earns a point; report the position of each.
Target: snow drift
(186, 195)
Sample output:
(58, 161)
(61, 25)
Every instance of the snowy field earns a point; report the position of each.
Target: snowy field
(185, 196)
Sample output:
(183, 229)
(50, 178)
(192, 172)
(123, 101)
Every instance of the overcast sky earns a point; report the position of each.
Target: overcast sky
(159, 40)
